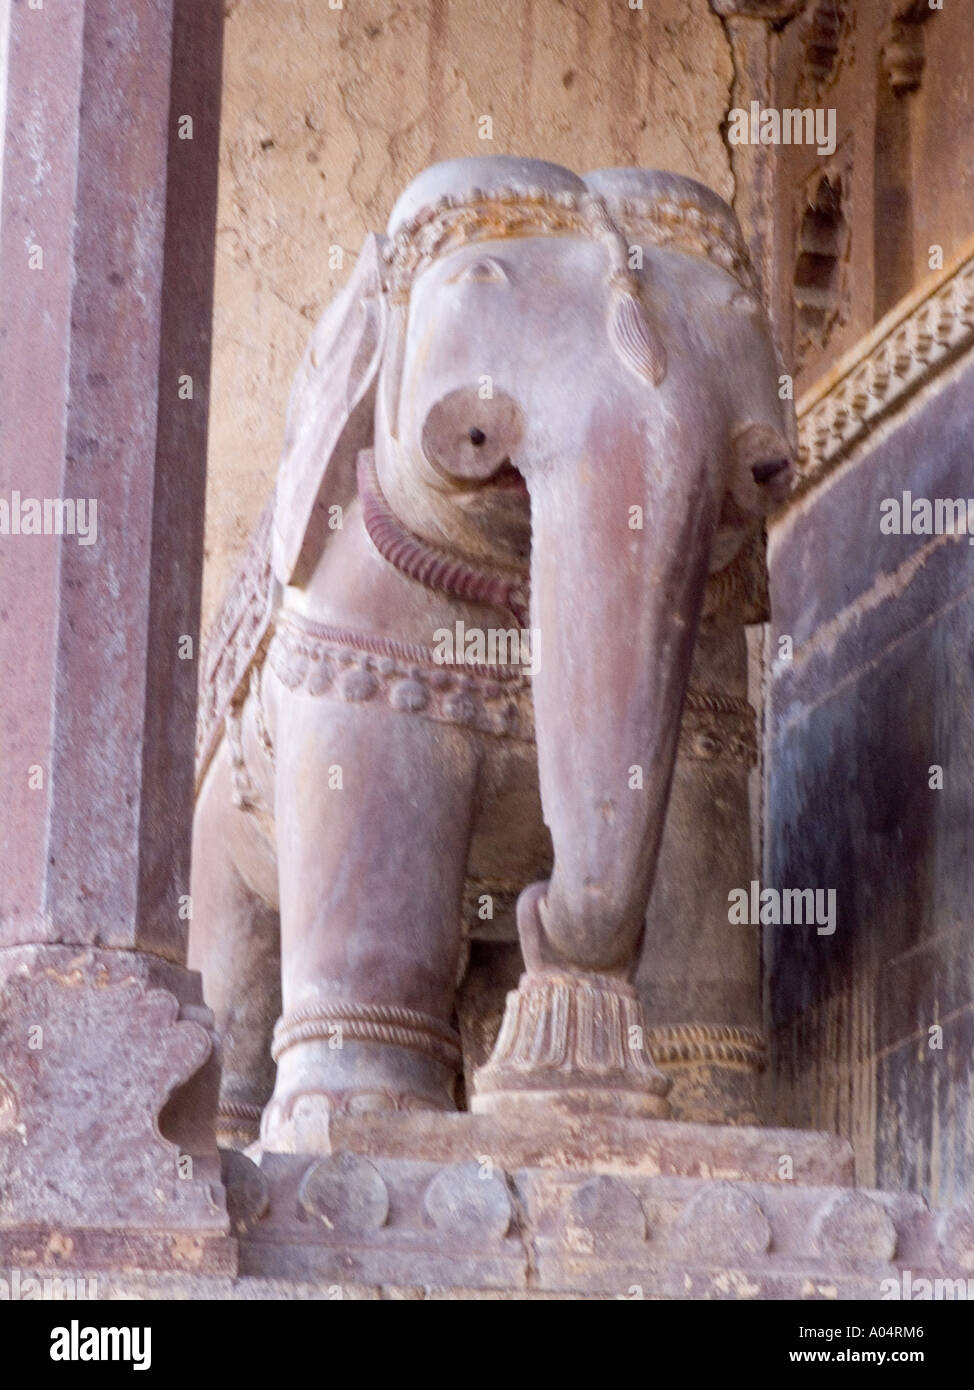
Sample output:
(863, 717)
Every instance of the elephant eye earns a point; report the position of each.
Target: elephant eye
(485, 271)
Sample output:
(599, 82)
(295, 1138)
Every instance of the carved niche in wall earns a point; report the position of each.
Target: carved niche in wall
(820, 288)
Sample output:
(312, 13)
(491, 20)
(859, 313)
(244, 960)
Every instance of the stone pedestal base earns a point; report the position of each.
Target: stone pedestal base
(572, 1044)
(107, 1154)
(478, 1206)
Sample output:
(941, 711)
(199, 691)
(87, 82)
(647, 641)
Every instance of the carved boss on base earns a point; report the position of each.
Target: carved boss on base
(524, 425)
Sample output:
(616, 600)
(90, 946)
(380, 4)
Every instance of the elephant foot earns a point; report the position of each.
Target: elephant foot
(574, 1043)
(344, 1059)
(301, 1122)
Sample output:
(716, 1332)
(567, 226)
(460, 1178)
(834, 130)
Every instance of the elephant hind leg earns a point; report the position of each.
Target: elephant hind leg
(235, 944)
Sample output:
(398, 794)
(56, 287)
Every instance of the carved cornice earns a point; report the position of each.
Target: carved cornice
(906, 350)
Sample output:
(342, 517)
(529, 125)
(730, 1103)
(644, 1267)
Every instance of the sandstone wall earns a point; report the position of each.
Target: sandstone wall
(327, 113)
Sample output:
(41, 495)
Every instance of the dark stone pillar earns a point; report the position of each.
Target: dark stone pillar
(106, 267)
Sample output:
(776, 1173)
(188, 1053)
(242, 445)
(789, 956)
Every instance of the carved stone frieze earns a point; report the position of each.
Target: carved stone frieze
(903, 353)
(821, 287)
(904, 49)
(827, 44)
(618, 1208)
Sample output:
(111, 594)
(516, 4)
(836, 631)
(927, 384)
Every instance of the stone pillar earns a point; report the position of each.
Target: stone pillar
(751, 27)
(106, 252)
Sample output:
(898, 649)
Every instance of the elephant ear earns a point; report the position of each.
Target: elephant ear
(329, 417)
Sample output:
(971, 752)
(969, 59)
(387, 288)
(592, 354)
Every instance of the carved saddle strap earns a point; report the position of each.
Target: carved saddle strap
(428, 564)
(236, 642)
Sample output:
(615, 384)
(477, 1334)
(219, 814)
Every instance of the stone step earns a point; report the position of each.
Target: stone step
(602, 1144)
(348, 1219)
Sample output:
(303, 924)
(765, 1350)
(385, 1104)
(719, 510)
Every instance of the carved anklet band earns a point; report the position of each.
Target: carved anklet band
(374, 1023)
(239, 1110)
(711, 1044)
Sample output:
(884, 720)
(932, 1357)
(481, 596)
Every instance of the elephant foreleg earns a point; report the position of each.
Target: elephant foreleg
(374, 810)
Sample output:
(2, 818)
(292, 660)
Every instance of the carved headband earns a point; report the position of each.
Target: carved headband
(453, 222)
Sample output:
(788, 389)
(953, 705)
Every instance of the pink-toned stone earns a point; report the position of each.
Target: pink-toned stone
(106, 1129)
(606, 1144)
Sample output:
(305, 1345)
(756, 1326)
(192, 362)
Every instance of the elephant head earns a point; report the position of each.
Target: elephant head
(575, 377)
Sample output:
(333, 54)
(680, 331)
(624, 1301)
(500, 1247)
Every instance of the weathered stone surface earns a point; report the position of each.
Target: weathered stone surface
(345, 1218)
(469, 1198)
(955, 1230)
(698, 977)
(346, 1193)
(854, 1227)
(603, 1212)
(97, 850)
(608, 1144)
(579, 1233)
(91, 1155)
(872, 1026)
(473, 1230)
(248, 1193)
(107, 1151)
(725, 1223)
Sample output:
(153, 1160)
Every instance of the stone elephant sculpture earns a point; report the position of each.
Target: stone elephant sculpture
(543, 411)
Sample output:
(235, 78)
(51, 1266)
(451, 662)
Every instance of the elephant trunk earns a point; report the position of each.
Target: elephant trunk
(620, 544)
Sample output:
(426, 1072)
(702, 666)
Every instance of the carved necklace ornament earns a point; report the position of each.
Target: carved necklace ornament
(351, 666)
(427, 563)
